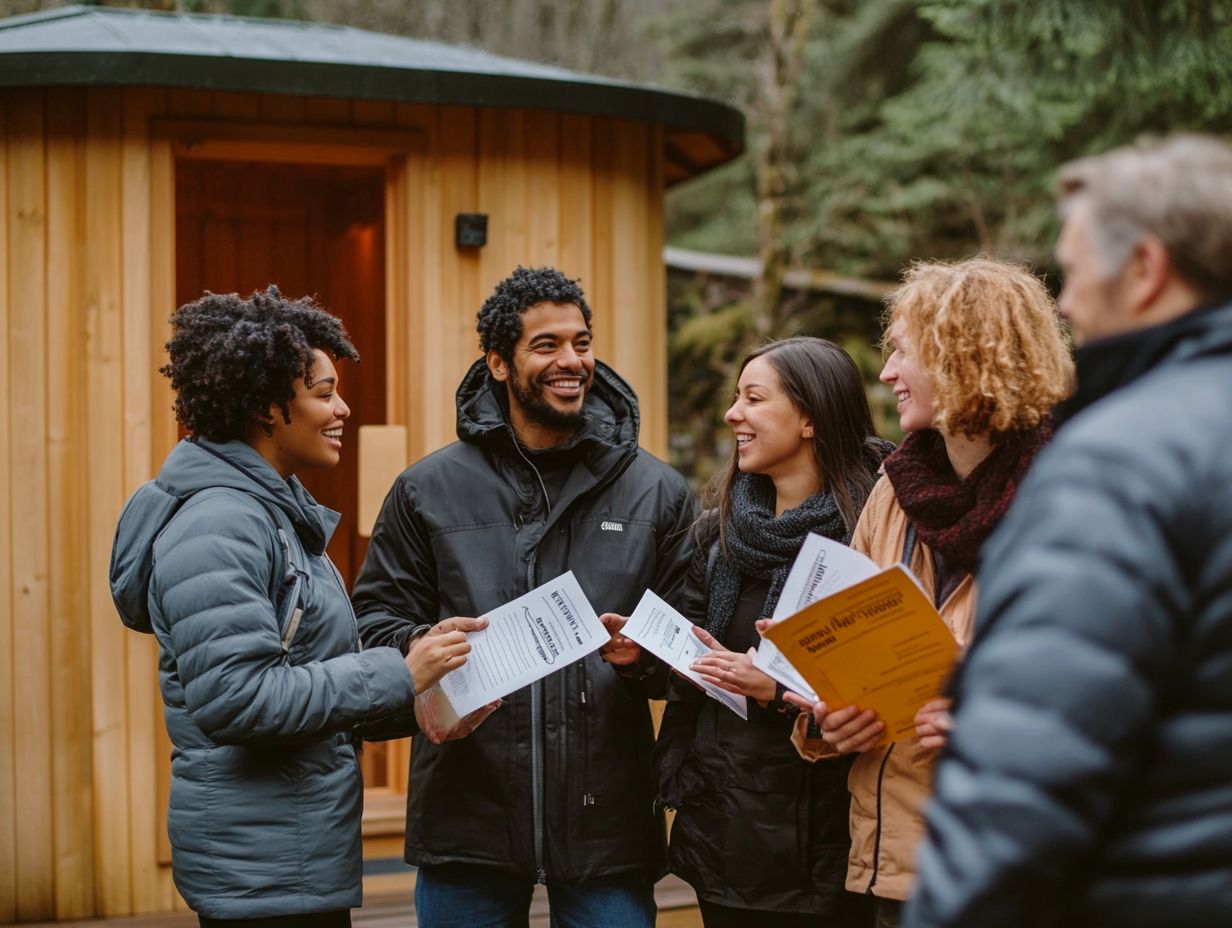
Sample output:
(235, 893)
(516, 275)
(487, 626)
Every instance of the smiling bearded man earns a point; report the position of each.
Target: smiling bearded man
(547, 477)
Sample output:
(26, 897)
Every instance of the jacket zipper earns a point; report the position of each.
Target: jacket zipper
(877, 835)
(536, 754)
(588, 798)
(536, 696)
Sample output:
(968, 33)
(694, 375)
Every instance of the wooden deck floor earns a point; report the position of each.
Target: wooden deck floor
(677, 909)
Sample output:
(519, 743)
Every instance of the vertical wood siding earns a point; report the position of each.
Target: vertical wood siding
(87, 229)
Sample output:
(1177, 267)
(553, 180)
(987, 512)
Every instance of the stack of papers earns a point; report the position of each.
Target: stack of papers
(865, 636)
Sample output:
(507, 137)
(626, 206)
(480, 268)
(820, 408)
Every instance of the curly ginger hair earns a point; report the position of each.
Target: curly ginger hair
(989, 334)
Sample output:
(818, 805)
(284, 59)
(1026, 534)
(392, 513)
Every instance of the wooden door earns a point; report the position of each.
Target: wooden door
(310, 229)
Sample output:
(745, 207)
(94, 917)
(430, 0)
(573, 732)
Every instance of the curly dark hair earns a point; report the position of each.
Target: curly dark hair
(500, 317)
(232, 359)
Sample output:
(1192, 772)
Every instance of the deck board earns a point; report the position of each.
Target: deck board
(675, 898)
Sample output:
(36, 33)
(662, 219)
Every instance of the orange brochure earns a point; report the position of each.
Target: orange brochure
(878, 644)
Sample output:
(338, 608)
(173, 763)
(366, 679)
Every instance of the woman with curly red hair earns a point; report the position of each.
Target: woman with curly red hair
(977, 360)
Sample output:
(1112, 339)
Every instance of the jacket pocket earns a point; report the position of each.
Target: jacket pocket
(763, 825)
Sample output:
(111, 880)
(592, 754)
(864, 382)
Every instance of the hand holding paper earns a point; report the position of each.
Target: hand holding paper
(731, 671)
(534, 635)
(619, 651)
(668, 635)
(437, 720)
(441, 649)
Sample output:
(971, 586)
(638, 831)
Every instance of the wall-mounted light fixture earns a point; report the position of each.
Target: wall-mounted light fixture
(470, 230)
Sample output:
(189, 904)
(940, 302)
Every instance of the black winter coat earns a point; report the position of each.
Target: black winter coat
(1088, 780)
(557, 782)
(757, 827)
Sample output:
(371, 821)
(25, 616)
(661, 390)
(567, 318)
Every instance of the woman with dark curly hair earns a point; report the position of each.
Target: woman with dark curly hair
(977, 361)
(759, 833)
(263, 679)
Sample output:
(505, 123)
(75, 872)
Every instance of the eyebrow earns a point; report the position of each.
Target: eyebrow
(580, 333)
(328, 380)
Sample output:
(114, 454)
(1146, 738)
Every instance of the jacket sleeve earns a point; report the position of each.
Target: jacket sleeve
(675, 546)
(212, 583)
(395, 593)
(1080, 593)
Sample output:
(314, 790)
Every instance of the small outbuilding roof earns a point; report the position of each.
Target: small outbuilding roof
(103, 46)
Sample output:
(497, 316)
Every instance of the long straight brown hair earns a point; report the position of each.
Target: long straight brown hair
(825, 385)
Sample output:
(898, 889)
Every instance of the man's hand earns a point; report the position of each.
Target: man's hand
(428, 706)
(441, 649)
(933, 723)
(619, 650)
(731, 671)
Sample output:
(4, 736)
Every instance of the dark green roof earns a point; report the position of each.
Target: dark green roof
(104, 46)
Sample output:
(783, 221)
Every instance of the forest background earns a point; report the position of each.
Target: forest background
(879, 132)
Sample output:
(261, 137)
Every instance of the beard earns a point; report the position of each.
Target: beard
(535, 405)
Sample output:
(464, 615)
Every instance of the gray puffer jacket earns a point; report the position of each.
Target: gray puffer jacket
(266, 792)
(1088, 779)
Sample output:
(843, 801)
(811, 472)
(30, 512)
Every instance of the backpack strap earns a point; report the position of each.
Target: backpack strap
(288, 596)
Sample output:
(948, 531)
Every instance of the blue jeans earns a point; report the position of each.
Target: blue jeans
(467, 896)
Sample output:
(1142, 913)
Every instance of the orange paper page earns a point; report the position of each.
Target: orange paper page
(879, 644)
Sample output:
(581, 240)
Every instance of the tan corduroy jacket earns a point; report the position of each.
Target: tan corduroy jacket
(889, 785)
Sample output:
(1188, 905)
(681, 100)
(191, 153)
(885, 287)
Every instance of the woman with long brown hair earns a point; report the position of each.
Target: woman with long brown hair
(759, 833)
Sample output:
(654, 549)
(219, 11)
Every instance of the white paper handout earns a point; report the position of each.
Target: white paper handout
(822, 567)
(668, 635)
(536, 634)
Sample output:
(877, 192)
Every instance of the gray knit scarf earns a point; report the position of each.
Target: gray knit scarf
(760, 545)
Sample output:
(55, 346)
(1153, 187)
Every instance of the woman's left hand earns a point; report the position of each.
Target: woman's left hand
(933, 722)
(731, 671)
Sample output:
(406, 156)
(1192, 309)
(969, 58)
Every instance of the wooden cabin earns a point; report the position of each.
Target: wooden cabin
(146, 157)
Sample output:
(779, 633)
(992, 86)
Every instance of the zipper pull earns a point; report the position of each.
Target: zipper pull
(583, 697)
(588, 799)
(541, 876)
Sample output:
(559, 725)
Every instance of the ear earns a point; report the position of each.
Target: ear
(807, 431)
(497, 366)
(1147, 274)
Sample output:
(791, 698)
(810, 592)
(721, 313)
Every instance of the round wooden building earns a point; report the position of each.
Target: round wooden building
(146, 157)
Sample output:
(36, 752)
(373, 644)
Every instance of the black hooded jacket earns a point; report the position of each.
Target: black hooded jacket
(1088, 778)
(557, 782)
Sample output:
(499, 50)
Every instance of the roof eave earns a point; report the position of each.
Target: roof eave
(676, 112)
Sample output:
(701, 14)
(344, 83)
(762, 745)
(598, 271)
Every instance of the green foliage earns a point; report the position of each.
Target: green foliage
(933, 129)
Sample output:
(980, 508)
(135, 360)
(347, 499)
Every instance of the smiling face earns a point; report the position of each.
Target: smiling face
(773, 437)
(913, 388)
(551, 370)
(313, 437)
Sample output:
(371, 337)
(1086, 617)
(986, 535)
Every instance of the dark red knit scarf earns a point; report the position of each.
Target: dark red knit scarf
(954, 516)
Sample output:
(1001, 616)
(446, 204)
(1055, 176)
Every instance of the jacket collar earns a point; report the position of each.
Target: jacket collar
(196, 464)
(611, 417)
(1109, 364)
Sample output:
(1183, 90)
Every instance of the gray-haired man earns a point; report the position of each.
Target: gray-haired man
(1088, 778)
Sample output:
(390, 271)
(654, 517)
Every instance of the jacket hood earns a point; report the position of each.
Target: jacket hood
(1111, 363)
(611, 416)
(195, 465)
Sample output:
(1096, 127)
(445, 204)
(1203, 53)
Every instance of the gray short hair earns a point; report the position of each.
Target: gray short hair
(1178, 190)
